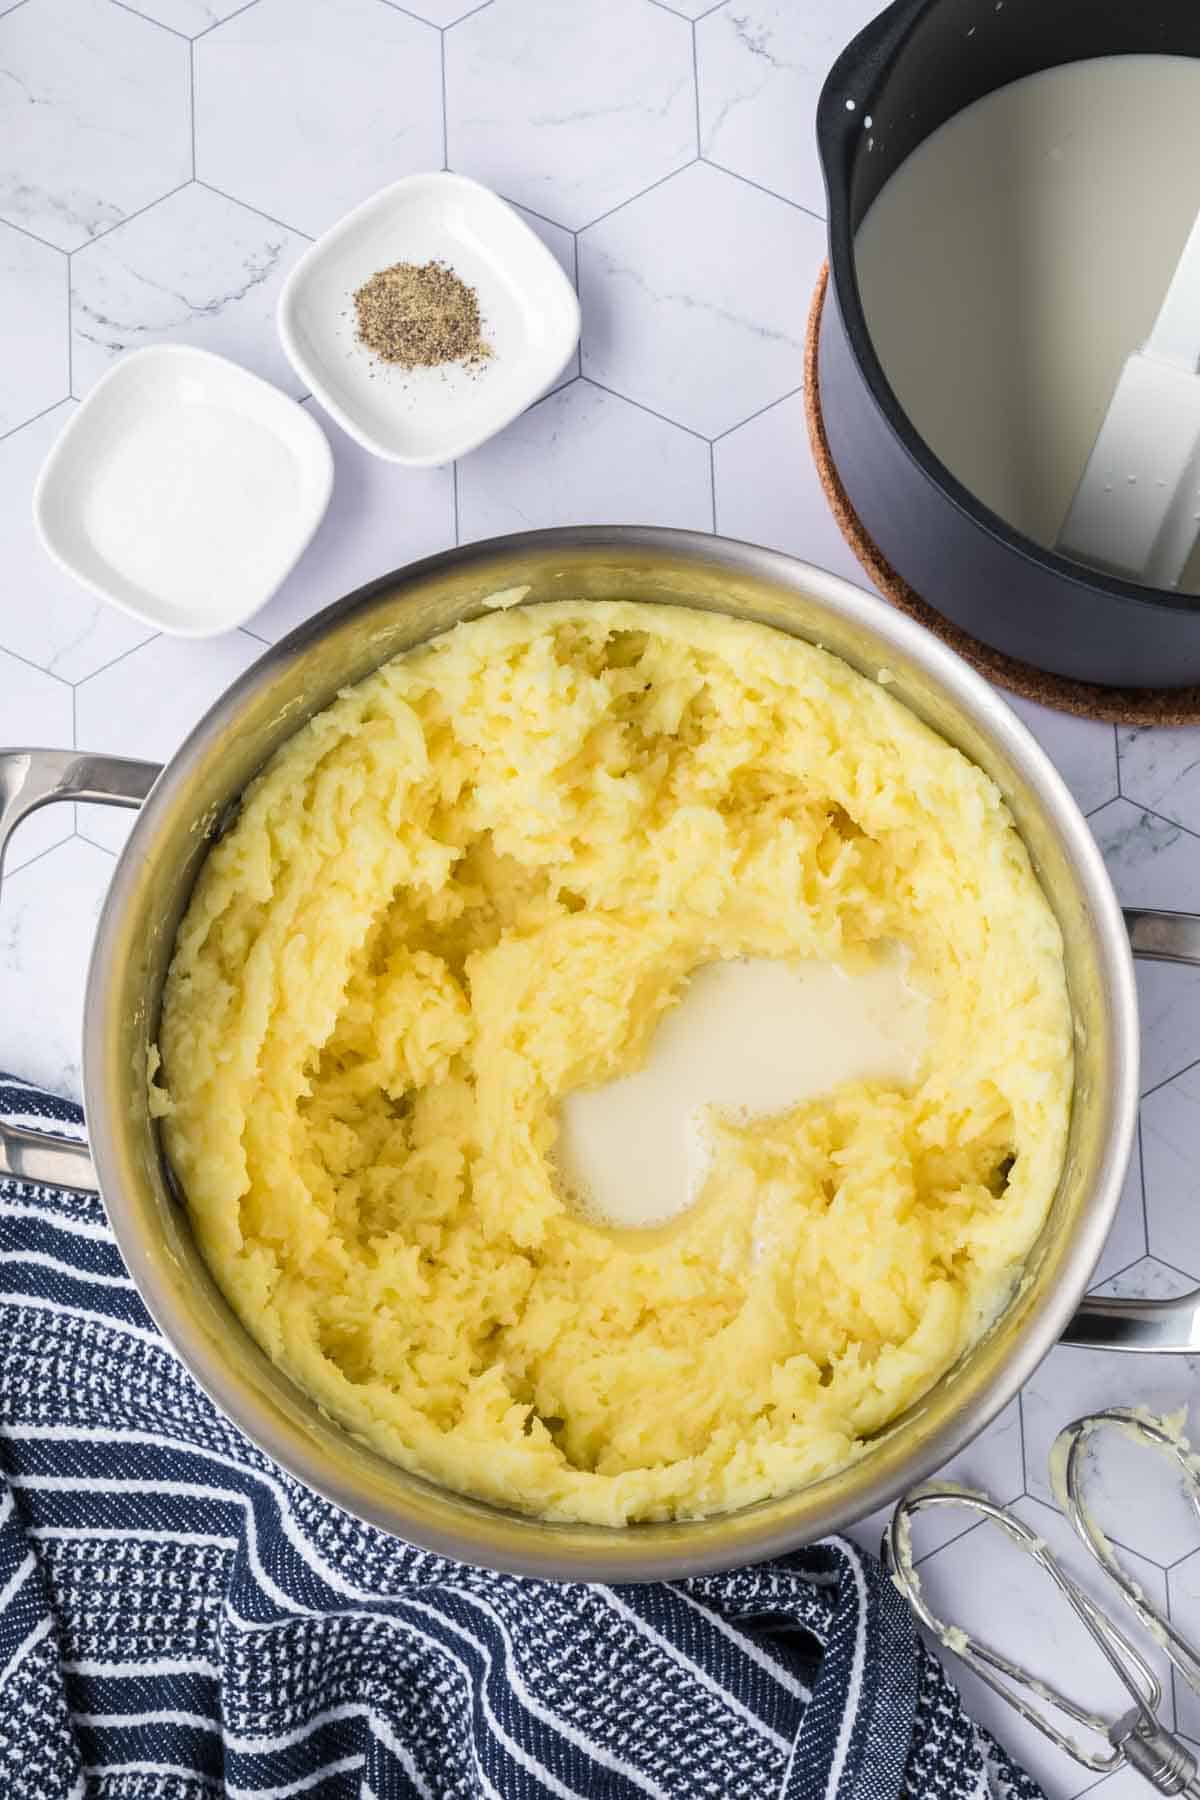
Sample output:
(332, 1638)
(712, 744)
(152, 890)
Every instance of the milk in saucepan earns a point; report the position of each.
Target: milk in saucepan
(1018, 257)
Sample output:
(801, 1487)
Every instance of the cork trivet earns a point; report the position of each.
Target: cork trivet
(1121, 706)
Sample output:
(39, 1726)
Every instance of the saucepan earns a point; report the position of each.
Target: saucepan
(186, 804)
(918, 64)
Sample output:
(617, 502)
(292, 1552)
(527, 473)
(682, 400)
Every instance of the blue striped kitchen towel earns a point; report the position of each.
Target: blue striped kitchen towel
(181, 1619)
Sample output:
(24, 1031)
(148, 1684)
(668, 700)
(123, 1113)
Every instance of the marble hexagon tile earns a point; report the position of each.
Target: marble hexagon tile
(1171, 1136)
(768, 491)
(691, 9)
(1169, 1001)
(304, 110)
(97, 99)
(1156, 863)
(191, 18)
(444, 12)
(1084, 751)
(570, 110)
(992, 1464)
(695, 297)
(1128, 1241)
(35, 710)
(144, 705)
(47, 924)
(380, 517)
(1183, 1588)
(760, 68)
(33, 288)
(198, 269)
(1161, 771)
(585, 457)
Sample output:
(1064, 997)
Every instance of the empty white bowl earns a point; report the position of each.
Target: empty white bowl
(424, 416)
(183, 490)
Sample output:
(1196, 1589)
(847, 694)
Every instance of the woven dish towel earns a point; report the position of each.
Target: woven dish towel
(180, 1619)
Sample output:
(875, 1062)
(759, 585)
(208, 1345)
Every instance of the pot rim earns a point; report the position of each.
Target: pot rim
(532, 1546)
(837, 131)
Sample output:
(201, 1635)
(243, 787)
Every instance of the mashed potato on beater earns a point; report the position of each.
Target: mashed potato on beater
(475, 882)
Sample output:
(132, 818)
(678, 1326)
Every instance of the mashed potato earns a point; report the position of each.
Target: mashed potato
(475, 882)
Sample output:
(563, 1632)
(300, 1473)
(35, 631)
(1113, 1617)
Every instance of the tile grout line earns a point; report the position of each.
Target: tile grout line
(124, 6)
(74, 746)
(11, 870)
(82, 837)
(32, 420)
(773, 193)
(217, 23)
(1116, 1275)
(23, 230)
(1158, 1085)
(192, 100)
(1021, 1434)
(419, 18)
(533, 212)
(16, 654)
(642, 407)
(712, 483)
(641, 194)
(1141, 1156)
(249, 205)
(1163, 819)
(550, 394)
(114, 660)
(99, 236)
(1121, 1543)
(956, 1539)
(665, 6)
(445, 109)
(1176, 1690)
(1103, 807)
(696, 89)
(749, 419)
(1187, 1276)
(70, 335)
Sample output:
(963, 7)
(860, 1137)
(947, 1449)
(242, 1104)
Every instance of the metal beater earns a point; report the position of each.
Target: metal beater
(1138, 1738)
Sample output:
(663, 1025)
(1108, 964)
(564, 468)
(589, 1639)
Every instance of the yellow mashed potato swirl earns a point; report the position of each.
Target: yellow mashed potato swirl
(473, 883)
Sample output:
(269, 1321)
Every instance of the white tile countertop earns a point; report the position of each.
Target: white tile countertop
(161, 168)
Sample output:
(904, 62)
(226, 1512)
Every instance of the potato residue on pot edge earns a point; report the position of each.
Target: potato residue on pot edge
(475, 882)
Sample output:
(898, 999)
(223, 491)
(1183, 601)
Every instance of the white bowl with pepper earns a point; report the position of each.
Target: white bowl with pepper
(428, 318)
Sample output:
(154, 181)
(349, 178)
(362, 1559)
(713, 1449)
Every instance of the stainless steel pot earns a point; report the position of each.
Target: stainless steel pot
(185, 805)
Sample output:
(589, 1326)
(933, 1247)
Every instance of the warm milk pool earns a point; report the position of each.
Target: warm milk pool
(750, 1038)
(482, 881)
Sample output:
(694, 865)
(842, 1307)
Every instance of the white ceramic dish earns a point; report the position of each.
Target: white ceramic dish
(425, 416)
(183, 490)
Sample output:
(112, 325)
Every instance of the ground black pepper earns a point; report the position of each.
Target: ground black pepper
(420, 315)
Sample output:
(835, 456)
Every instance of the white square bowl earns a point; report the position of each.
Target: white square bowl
(427, 416)
(183, 490)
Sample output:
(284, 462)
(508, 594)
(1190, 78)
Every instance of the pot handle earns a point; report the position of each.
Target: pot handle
(29, 779)
(1105, 1324)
